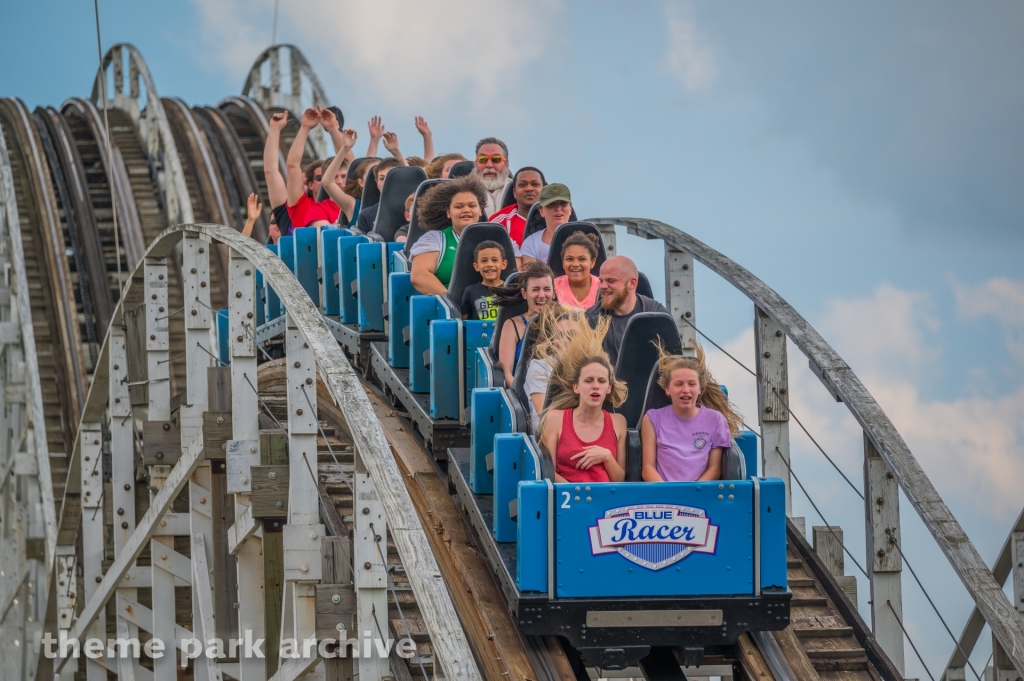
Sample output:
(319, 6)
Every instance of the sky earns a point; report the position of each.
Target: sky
(865, 160)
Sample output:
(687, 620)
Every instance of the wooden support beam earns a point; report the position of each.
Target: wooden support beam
(273, 451)
(122, 473)
(828, 544)
(680, 295)
(203, 621)
(92, 531)
(772, 398)
(882, 536)
(161, 503)
(270, 491)
(201, 514)
(1002, 664)
(336, 619)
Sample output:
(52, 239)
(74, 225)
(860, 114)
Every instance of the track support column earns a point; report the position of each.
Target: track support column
(122, 475)
(244, 452)
(370, 574)
(1002, 665)
(680, 296)
(772, 400)
(158, 377)
(91, 470)
(885, 565)
(303, 533)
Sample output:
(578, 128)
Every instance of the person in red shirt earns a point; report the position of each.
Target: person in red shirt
(304, 183)
(526, 186)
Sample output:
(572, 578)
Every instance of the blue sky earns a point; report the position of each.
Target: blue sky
(864, 160)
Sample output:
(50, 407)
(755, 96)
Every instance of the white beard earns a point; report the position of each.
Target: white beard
(497, 182)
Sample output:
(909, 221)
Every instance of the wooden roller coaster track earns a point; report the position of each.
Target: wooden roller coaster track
(140, 477)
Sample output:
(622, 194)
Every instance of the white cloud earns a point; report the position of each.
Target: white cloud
(999, 298)
(689, 58)
(229, 31)
(455, 54)
(971, 447)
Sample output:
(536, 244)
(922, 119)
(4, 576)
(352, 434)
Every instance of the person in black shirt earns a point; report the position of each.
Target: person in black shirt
(618, 300)
(478, 299)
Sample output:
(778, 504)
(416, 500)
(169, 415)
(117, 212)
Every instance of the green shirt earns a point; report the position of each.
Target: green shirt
(446, 259)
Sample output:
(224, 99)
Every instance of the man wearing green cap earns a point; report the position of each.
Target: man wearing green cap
(555, 206)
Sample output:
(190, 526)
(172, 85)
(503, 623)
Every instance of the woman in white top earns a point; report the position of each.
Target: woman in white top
(555, 206)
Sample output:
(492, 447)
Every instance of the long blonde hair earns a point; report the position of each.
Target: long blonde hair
(574, 348)
(711, 394)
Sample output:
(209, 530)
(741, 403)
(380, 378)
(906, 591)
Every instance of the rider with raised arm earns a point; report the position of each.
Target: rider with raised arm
(277, 188)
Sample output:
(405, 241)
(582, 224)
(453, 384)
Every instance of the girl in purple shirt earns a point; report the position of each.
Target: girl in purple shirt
(683, 442)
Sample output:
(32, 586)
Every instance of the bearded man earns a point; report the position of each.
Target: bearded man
(618, 300)
(492, 170)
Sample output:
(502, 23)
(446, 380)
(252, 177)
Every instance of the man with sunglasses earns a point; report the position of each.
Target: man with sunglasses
(492, 170)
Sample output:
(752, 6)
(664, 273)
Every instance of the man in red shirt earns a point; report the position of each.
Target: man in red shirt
(526, 186)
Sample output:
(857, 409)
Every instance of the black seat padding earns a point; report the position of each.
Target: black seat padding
(564, 232)
(638, 367)
(461, 169)
(463, 273)
(414, 226)
(398, 184)
(518, 389)
(371, 195)
(734, 465)
(509, 197)
(535, 223)
(643, 286)
(504, 314)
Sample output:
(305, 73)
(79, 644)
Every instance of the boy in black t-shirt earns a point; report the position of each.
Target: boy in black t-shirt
(477, 299)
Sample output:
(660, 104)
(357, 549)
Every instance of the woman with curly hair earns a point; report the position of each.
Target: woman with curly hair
(444, 211)
(683, 442)
(586, 443)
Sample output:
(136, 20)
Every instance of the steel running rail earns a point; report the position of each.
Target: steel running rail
(1005, 623)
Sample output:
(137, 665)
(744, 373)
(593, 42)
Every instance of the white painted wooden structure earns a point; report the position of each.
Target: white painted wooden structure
(264, 85)
(311, 352)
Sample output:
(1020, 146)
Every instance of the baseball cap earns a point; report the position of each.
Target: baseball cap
(555, 191)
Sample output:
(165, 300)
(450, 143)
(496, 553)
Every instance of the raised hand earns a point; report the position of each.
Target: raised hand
(376, 126)
(421, 125)
(327, 119)
(278, 121)
(253, 207)
(391, 142)
(349, 136)
(310, 117)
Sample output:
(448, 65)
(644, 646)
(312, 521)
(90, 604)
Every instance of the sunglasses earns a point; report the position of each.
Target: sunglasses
(495, 159)
(318, 177)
